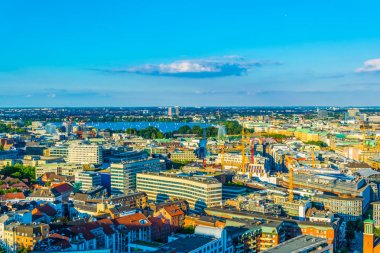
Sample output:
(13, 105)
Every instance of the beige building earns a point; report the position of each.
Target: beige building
(199, 192)
(62, 169)
(184, 156)
(345, 206)
(376, 213)
(80, 153)
(123, 175)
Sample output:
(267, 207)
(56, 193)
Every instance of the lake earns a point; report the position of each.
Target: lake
(162, 126)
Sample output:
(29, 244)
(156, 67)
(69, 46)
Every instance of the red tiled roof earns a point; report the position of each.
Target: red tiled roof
(105, 221)
(159, 222)
(10, 196)
(85, 229)
(4, 187)
(56, 235)
(173, 210)
(133, 221)
(107, 229)
(62, 187)
(20, 185)
(50, 211)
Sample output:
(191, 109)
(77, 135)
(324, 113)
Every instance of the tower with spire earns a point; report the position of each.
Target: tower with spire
(369, 243)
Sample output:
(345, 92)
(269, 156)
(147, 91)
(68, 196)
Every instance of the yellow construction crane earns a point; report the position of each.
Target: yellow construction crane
(364, 132)
(289, 164)
(243, 156)
(222, 162)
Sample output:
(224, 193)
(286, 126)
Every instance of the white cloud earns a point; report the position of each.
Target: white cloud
(232, 65)
(372, 65)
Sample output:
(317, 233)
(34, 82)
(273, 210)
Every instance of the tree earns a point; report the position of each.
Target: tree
(211, 131)
(185, 130)
(197, 130)
(317, 143)
(20, 172)
(233, 127)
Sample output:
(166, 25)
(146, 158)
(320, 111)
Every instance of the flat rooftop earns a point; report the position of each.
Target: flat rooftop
(298, 244)
(187, 244)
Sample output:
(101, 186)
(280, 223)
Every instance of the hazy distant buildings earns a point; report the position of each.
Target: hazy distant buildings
(353, 112)
(176, 111)
(170, 111)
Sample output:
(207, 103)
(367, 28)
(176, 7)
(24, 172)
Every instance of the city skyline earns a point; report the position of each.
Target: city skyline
(246, 53)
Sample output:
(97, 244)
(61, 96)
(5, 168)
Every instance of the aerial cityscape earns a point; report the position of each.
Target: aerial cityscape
(190, 126)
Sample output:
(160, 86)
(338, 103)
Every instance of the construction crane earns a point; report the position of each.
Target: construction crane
(289, 164)
(252, 151)
(243, 156)
(364, 132)
(222, 162)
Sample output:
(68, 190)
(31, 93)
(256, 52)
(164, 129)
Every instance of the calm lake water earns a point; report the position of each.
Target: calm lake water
(162, 126)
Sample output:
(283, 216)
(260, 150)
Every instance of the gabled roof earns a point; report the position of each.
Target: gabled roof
(62, 188)
(85, 230)
(173, 210)
(10, 196)
(42, 192)
(20, 185)
(47, 209)
(134, 221)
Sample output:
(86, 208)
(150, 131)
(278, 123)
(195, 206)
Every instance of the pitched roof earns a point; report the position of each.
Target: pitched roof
(47, 209)
(173, 210)
(56, 235)
(105, 221)
(133, 221)
(108, 230)
(20, 185)
(10, 196)
(62, 188)
(85, 229)
(159, 221)
(42, 192)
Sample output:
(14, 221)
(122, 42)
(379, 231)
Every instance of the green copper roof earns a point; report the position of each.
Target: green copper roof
(369, 220)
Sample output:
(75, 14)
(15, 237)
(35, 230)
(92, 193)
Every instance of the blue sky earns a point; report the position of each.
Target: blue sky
(189, 53)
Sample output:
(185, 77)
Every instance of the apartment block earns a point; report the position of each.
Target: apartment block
(88, 179)
(80, 153)
(123, 175)
(199, 192)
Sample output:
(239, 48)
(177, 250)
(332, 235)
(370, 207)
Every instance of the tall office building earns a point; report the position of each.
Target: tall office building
(170, 111)
(123, 175)
(199, 192)
(81, 153)
(88, 179)
(176, 111)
